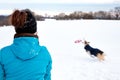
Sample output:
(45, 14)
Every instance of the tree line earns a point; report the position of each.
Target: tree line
(4, 19)
(108, 15)
(102, 15)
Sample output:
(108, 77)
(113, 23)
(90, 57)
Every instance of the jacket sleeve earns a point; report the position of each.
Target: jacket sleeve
(48, 73)
(1, 69)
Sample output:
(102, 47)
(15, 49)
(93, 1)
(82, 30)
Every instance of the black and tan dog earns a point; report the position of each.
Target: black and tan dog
(94, 51)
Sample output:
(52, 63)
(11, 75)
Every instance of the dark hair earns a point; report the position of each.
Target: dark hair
(18, 18)
(24, 21)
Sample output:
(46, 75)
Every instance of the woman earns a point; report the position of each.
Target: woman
(25, 59)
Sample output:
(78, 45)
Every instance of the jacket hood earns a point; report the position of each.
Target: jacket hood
(25, 47)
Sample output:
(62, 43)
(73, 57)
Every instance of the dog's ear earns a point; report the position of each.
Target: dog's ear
(88, 42)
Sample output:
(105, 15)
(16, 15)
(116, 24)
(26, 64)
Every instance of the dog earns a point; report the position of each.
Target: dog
(94, 52)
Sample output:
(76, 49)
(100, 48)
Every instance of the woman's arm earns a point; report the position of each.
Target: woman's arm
(1, 69)
(48, 72)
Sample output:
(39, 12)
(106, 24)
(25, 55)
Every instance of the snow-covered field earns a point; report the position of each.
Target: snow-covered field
(70, 61)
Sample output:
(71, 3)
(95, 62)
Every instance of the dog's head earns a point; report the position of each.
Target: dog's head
(86, 43)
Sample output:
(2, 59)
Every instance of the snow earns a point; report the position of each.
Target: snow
(70, 61)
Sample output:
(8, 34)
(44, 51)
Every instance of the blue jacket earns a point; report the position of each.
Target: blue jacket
(25, 59)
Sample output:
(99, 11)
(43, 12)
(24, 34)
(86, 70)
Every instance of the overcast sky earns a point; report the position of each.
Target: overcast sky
(58, 5)
(58, 1)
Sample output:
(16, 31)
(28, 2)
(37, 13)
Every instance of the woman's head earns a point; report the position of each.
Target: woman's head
(23, 21)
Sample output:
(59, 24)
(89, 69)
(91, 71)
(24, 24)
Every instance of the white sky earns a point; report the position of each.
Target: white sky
(58, 1)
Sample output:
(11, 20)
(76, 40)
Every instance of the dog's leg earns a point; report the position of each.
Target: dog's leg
(88, 52)
(100, 57)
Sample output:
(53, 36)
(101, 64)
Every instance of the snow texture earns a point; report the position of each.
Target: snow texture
(70, 60)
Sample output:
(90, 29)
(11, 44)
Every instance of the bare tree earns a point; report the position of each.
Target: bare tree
(117, 12)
